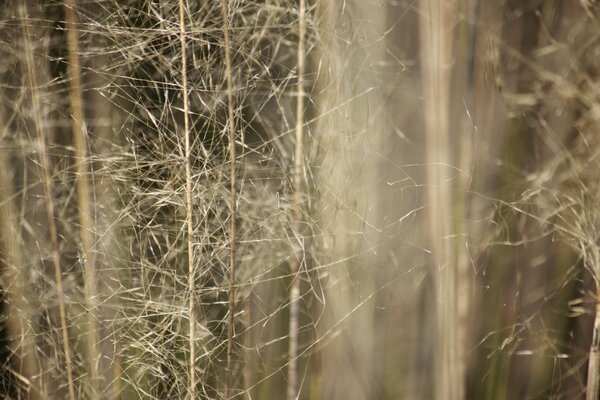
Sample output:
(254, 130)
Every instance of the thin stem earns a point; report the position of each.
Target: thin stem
(47, 184)
(233, 178)
(292, 384)
(593, 379)
(83, 191)
(19, 313)
(188, 202)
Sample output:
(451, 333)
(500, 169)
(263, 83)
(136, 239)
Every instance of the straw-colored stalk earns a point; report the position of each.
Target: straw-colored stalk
(188, 202)
(298, 259)
(592, 391)
(593, 379)
(436, 51)
(86, 228)
(45, 165)
(19, 313)
(233, 177)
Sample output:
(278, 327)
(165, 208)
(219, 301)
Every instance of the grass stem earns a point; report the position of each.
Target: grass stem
(188, 202)
(233, 160)
(83, 193)
(593, 377)
(435, 58)
(292, 384)
(45, 166)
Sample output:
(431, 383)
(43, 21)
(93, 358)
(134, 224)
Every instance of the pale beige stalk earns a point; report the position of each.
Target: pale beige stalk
(233, 177)
(188, 202)
(45, 165)
(592, 391)
(297, 260)
(86, 227)
(436, 52)
(14, 279)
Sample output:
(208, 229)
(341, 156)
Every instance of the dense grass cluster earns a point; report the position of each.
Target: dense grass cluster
(312, 199)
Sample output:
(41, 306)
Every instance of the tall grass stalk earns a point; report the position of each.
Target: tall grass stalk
(593, 375)
(233, 176)
(40, 129)
(188, 203)
(19, 312)
(436, 52)
(86, 225)
(298, 257)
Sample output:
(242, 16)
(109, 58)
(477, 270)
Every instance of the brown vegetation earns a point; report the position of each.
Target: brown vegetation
(312, 199)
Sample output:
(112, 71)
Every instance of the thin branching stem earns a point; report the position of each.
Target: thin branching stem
(292, 384)
(188, 202)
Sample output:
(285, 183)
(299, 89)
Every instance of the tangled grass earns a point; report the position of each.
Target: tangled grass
(246, 199)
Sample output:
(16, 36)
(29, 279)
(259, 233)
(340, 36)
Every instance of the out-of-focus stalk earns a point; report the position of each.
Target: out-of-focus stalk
(45, 165)
(298, 257)
(436, 52)
(14, 281)
(593, 378)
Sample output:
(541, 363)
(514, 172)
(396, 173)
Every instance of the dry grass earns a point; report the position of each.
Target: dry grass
(241, 199)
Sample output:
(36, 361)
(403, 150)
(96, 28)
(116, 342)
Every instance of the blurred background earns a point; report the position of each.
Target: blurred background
(311, 199)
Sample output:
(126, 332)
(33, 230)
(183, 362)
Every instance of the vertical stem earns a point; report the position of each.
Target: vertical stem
(83, 192)
(57, 268)
(40, 132)
(188, 202)
(593, 378)
(292, 384)
(232, 155)
(19, 313)
(436, 47)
